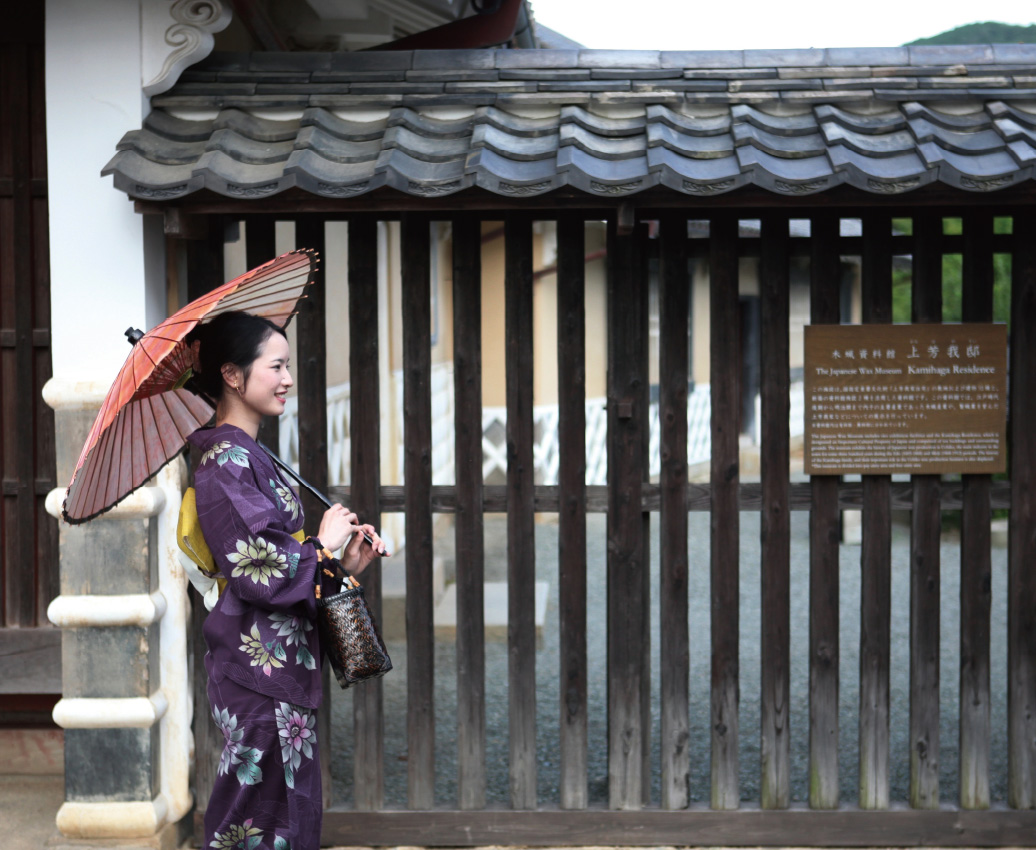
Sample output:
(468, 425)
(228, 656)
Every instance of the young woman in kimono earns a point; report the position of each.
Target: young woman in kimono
(263, 657)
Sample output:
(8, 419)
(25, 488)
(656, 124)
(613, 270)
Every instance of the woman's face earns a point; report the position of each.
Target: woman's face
(269, 380)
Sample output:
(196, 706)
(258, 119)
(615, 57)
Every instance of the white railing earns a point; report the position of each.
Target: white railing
(546, 455)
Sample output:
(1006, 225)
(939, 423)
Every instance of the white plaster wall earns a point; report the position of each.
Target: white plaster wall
(97, 265)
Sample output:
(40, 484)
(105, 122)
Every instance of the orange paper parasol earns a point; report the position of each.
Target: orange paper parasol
(148, 413)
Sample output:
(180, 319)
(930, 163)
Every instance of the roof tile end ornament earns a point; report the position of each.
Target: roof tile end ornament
(176, 35)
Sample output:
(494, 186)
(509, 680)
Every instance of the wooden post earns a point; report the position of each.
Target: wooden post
(365, 466)
(204, 273)
(470, 546)
(674, 304)
(975, 556)
(417, 473)
(626, 626)
(260, 246)
(824, 535)
(521, 526)
(876, 551)
(725, 380)
(572, 509)
(926, 305)
(312, 395)
(775, 744)
(1021, 577)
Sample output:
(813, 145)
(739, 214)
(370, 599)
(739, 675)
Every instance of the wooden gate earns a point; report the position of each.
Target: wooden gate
(30, 649)
(631, 816)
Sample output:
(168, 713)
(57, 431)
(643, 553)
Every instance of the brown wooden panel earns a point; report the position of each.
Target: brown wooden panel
(312, 395)
(260, 246)
(775, 524)
(470, 540)
(625, 568)
(975, 541)
(875, 551)
(17, 418)
(725, 380)
(796, 827)
(572, 510)
(824, 536)
(926, 306)
(365, 466)
(521, 541)
(1021, 577)
(417, 471)
(674, 647)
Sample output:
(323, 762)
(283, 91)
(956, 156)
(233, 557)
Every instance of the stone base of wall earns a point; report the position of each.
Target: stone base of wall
(170, 837)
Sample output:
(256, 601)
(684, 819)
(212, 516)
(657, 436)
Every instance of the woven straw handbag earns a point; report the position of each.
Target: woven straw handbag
(348, 632)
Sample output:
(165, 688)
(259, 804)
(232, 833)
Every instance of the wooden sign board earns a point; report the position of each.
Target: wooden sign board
(883, 399)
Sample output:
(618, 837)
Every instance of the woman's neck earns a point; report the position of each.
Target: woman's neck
(231, 411)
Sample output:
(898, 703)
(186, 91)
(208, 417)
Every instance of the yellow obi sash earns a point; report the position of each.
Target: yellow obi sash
(198, 563)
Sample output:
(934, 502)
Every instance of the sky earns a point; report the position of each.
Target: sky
(752, 24)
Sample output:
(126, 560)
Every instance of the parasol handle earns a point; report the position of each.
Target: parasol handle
(302, 482)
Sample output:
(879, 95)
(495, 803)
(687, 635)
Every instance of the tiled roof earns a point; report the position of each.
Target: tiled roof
(610, 123)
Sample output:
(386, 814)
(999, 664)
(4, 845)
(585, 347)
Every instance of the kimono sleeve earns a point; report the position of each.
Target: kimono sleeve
(250, 536)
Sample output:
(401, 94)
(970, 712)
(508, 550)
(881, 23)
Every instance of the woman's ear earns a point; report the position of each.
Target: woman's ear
(232, 376)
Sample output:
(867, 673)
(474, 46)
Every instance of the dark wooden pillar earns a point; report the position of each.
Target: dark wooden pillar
(725, 381)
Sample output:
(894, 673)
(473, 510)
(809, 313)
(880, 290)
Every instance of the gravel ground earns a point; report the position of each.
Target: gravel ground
(547, 678)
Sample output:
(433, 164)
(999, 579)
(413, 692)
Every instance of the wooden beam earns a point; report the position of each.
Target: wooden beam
(470, 528)
(521, 524)
(417, 472)
(751, 827)
(875, 552)
(365, 466)
(725, 378)
(572, 510)
(926, 305)
(775, 525)
(824, 536)
(674, 647)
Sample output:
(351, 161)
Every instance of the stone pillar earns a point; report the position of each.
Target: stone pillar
(126, 701)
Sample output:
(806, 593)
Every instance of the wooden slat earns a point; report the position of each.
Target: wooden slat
(843, 496)
(725, 379)
(797, 827)
(775, 525)
(824, 535)
(572, 510)
(642, 405)
(260, 246)
(19, 510)
(975, 554)
(365, 466)
(521, 530)
(625, 567)
(673, 310)
(876, 551)
(1021, 578)
(926, 306)
(312, 396)
(204, 273)
(417, 472)
(470, 542)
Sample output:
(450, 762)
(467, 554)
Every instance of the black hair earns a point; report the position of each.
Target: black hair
(232, 337)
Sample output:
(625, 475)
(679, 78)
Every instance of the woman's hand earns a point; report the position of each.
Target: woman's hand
(359, 553)
(337, 525)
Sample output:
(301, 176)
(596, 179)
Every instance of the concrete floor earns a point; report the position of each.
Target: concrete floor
(28, 806)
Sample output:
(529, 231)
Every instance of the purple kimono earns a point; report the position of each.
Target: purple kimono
(264, 653)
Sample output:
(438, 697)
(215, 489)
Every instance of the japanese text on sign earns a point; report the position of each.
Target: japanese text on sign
(886, 399)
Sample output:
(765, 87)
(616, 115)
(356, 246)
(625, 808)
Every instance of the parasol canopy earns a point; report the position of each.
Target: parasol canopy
(149, 412)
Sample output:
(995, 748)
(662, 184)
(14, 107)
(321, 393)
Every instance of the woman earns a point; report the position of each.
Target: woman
(264, 655)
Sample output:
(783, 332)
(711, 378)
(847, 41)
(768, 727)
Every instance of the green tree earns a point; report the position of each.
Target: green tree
(987, 32)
